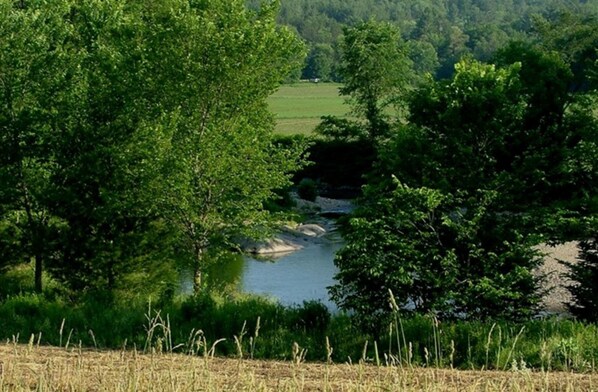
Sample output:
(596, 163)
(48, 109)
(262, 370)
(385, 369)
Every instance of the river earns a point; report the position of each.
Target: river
(290, 279)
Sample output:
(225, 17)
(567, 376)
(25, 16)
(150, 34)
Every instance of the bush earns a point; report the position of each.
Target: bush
(453, 256)
(339, 163)
(585, 276)
(308, 189)
(312, 316)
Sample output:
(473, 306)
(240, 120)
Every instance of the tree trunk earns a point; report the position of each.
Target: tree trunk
(197, 272)
(38, 272)
(197, 280)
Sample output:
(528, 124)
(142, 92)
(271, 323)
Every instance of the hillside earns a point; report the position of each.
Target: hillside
(437, 33)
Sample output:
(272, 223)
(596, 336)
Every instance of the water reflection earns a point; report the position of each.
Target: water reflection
(290, 279)
(300, 276)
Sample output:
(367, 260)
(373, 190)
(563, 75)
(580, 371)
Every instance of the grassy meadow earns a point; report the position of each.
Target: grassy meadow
(298, 107)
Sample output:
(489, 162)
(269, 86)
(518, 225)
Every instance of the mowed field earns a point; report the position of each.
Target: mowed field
(34, 368)
(298, 107)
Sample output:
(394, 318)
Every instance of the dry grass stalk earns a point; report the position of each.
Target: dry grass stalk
(25, 368)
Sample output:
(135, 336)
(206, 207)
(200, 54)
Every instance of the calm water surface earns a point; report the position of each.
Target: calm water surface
(300, 276)
(290, 279)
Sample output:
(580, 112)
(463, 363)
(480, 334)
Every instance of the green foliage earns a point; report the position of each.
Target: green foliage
(38, 83)
(574, 36)
(584, 275)
(223, 165)
(319, 63)
(128, 130)
(341, 129)
(498, 157)
(307, 189)
(10, 241)
(439, 34)
(455, 257)
(420, 341)
(375, 72)
(505, 128)
(465, 123)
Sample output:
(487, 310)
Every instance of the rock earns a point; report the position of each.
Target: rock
(309, 230)
(272, 246)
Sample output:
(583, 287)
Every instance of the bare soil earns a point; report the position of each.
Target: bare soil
(557, 295)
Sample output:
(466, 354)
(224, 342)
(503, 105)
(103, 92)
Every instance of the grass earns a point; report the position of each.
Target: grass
(255, 328)
(212, 344)
(26, 367)
(298, 107)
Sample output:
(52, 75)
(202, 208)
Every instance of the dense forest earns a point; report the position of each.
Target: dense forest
(437, 32)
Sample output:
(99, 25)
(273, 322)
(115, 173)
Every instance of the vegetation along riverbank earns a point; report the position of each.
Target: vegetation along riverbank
(139, 144)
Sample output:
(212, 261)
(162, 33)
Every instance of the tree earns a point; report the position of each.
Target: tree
(424, 57)
(552, 151)
(35, 87)
(440, 253)
(375, 70)
(491, 168)
(108, 150)
(319, 63)
(223, 164)
(507, 127)
(464, 124)
(574, 36)
(141, 125)
(584, 275)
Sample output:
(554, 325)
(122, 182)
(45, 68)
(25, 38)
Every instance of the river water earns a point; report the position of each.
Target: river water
(300, 276)
(290, 279)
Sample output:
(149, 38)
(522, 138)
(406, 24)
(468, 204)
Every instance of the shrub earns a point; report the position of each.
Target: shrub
(585, 275)
(453, 256)
(313, 316)
(308, 189)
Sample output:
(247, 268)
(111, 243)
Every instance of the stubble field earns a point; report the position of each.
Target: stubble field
(29, 367)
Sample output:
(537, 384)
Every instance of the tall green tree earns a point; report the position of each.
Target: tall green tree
(552, 152)
(36, 77)
(464, 124)
(574, 36)
(489, 157)
(451, 255)
(224, 61)
(375, 70)
(108, 150)
(139, 125)
(584, 274)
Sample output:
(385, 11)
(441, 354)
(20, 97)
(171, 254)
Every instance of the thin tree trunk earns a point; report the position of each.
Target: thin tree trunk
(197, 280)
(38, 272)
(197, 273)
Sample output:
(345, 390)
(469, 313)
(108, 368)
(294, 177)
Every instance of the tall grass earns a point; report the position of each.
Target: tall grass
(250, 327)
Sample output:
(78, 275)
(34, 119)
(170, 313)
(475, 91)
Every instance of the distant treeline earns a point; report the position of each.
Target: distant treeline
(437, 32)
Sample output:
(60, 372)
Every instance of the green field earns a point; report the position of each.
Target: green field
(298, 107)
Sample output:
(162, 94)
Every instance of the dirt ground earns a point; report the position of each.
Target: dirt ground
(557, 295)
